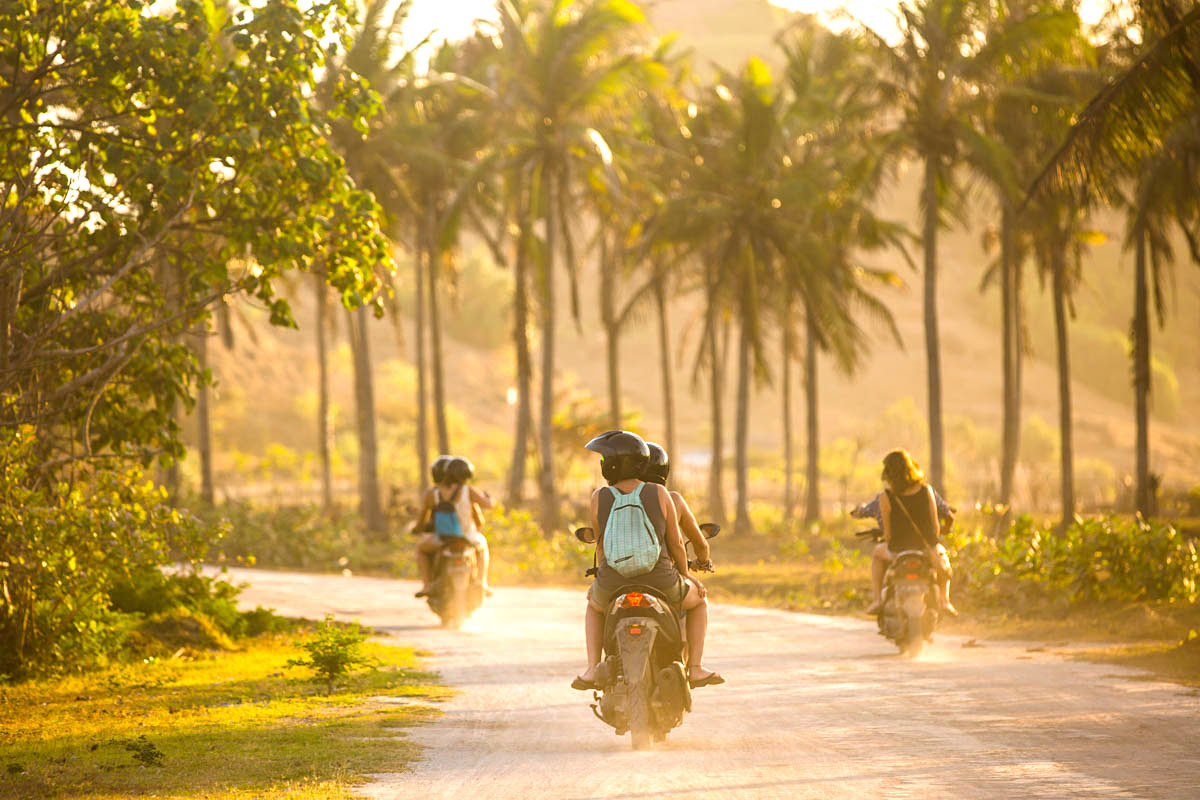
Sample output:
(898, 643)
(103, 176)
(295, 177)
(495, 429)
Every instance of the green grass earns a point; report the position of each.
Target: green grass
(227, 725)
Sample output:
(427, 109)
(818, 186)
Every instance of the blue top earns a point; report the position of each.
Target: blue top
(871, 509)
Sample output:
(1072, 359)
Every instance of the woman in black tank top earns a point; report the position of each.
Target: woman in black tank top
(910, 522)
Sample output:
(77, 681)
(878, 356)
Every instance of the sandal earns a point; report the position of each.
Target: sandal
(711, 679)
(583, 685)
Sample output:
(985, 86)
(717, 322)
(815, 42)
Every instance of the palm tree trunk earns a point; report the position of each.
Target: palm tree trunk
(435, 340)
(1141, 374)
(1067, 452)
(524, 421)
(364, 396)
(324, 421)
(716, 495)
(789, 499)
(812, 502)
(204, 420)
(664, 357)
(742, 457)
(422, 437)
(932, 346)
(608, 316)
(1011, 435)
(549, 503)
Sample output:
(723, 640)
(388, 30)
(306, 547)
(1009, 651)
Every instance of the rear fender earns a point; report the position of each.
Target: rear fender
(635, 641)
(911, 599)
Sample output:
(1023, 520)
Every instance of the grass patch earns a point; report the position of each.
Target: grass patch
(225, 725)
(1178, 662)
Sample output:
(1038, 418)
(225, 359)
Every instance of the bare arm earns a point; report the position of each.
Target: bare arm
(599, 534)
(885, 515)
(426, 511)
(480, 498)
(673, 537)
(691, 528)
(933, 515)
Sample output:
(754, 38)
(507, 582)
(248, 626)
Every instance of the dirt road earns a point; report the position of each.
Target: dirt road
(815, 707)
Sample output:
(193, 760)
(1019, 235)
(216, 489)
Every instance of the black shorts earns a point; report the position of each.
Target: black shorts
(666, 581)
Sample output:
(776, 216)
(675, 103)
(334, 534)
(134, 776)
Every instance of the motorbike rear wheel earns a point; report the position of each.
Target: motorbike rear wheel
(915, 636)
(639, 716)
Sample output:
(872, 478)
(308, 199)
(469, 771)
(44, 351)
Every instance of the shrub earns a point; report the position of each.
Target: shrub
(333, 651)
(1101, 559)
(64, 549)
(520, 551)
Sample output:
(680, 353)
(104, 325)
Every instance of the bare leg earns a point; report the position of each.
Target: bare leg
(426, 549)
(879, 565)
(593, 630)
(482, 562)
(697, 630)
(944, 593)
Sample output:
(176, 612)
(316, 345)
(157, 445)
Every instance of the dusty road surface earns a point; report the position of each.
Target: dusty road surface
(814, 707)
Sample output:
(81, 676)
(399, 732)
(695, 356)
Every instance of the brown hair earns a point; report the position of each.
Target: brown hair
(900, 470)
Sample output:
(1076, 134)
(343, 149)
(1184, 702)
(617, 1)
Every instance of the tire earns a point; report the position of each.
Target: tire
(915, 636)
(639, 716)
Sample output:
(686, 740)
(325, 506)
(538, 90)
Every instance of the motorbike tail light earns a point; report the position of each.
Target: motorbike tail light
(459, 562)
(635, 630)
(912, 576)
(634, 599)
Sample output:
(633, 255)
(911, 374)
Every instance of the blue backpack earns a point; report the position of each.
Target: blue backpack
(631, 546)
(445, 516)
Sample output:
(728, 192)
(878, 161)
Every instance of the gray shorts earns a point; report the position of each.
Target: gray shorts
(667, 582)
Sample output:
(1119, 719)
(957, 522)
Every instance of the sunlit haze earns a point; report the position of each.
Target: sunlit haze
(453, 19)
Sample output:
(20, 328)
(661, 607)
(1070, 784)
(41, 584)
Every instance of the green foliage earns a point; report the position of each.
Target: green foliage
(155, 162)
(145, 752)
(63, 551)
(1093, 560)
(334, 651)
(521, 552)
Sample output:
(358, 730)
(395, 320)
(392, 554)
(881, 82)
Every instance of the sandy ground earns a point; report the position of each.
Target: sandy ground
(814, 707)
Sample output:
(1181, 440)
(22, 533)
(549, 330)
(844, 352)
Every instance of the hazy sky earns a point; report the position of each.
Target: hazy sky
(453, 18)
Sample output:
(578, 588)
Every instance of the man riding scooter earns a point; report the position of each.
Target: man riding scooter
(624, 458)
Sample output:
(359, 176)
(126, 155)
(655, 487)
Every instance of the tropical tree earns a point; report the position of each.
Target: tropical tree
(563, 61)
(1137, 142)
(948, 50)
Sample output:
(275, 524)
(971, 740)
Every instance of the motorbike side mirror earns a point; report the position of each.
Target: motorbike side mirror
(585, 535)
(710, 529)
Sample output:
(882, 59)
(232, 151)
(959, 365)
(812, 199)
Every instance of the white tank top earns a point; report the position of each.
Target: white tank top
(464, 507)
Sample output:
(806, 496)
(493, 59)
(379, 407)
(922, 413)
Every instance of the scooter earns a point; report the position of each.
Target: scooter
(909, 613)
(643, 677)
(455, 592)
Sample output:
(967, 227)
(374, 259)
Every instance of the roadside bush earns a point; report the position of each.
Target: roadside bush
(520, 552)
(334, 651)
(1096, 560)
(65, 548)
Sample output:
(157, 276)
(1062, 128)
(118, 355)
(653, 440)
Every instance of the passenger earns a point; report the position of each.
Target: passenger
(624, 457)
(451, 475)
(909, 516)
(657, 471)
(945, 513)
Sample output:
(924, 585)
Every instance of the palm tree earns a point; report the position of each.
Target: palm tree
(562, 62)
(947, 50)
(1143, 129)
(831, 117)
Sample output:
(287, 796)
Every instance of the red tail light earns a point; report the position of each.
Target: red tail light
(912, 576)
(635, 630)
(634, 599)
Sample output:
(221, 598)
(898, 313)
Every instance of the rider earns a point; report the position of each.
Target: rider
(451, 474)
(914, 526)
(657, 471)
(624, 456)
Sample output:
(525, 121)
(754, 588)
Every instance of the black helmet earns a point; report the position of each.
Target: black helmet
(438, 468)
(459, 470)
(623, 455)
(659, 466)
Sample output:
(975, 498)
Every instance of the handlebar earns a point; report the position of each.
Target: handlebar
(700, 566)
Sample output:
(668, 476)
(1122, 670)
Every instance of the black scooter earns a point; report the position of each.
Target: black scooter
(455, 592)
(643, 677)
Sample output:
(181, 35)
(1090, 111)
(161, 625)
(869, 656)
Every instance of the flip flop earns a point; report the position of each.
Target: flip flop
(422, 593)
(712, 679)
(582, 685)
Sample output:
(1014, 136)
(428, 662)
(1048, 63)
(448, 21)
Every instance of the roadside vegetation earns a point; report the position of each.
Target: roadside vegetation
(237, 721)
